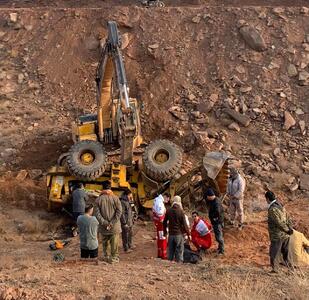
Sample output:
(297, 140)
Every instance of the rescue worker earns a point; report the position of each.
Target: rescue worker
(280, 230)
(200, 232)
(158, 211)
(126, 220)
(167, 200)
(80, 198)
(176, 223)
(235, 192)
(88, 232)
(216, 217)
(108, 211)
(298, 253)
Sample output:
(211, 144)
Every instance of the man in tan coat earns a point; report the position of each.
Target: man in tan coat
(298, 256)
(108, 211)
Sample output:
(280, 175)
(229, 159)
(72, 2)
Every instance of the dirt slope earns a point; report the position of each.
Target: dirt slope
(191, 59)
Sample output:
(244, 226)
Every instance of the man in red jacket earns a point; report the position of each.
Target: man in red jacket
(200, 232)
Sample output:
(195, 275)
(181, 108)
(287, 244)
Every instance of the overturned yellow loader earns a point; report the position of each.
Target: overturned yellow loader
(148, 171)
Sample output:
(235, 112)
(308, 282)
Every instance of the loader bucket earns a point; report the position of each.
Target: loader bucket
(215, 171)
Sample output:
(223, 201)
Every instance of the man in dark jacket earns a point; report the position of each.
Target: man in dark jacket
(280, 229)
(175, 221)
(80, 198)
(108, 212)
(216, 217)
(126, 220)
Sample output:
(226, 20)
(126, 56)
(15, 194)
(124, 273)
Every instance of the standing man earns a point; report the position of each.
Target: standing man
(80, 198)
(235, 191)
(126, 220)
(176, 223)
(158, 213)
(108, 212)
(216, 217)
(280, 229)
(88, 233)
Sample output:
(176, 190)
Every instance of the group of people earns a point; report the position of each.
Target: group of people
(110, 216)
(287, 245)
(173, 227)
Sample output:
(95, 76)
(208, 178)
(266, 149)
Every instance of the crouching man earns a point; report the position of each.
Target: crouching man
(88, 232)
(200, 233)
(298, 250)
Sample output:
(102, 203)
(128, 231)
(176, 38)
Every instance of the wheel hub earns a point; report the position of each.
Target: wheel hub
(87, 158)
(161, 157)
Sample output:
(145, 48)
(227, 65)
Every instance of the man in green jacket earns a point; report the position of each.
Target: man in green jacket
(280, 229)
(108, 212)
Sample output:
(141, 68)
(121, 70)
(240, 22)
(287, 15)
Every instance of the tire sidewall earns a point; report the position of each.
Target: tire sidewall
(94, 168)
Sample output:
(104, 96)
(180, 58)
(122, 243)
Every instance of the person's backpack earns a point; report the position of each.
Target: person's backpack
(190, 256)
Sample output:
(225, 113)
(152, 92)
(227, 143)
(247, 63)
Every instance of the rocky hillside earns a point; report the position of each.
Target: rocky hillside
(209, 78)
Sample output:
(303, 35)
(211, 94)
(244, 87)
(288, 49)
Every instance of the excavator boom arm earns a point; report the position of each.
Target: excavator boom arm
(111, 63)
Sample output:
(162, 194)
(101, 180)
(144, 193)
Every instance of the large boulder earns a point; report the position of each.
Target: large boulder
(253, 38)
(304, 182)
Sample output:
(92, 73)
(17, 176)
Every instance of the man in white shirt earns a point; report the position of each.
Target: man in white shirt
(235, 192)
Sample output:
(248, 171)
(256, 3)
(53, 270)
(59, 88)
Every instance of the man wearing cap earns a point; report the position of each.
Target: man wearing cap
(280, 229)
(108, 211)
(235, 192)
(216, 217)
(175, 221)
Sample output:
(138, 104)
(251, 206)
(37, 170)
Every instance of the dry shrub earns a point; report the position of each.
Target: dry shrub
(84, 285)
(280, 286)
(34, 226)
(247, 288)
(7, 262)
(27, 262)
(29, 226)
(299, 285)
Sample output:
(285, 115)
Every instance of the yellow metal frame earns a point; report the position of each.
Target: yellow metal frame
(58, 179)
(143, 188)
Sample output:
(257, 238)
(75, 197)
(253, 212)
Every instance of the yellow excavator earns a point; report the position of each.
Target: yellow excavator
(146, 173)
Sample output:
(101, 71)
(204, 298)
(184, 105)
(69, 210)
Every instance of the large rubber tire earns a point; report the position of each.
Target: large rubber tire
(91, 170)
(62, 160)
(163, 171)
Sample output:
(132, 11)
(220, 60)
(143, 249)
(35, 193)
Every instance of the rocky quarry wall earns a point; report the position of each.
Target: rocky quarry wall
(212, 78)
